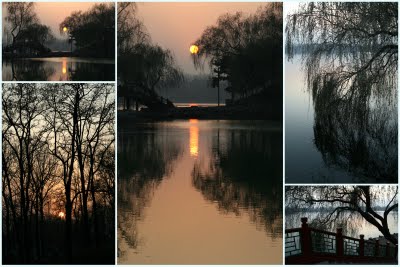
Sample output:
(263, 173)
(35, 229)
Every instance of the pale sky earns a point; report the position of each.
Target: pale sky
(176, 26)
(53, 13)
(289, 7)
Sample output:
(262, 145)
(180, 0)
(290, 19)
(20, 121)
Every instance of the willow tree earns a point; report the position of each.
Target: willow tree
(144, 66)
(363, 201)
(349, 53)
(19, 17)
(130, 30)
(244, 50)
(345, 42)
(93, 31)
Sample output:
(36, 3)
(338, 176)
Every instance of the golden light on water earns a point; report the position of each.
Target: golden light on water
(194, 138)
(64, 66)
(61, 215)
(194, 49)
(65, 29)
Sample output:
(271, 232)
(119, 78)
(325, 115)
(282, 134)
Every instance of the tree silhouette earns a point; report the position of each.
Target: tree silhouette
(142, 66)
(359, 200)
(28, 35)
(350, 45)
(349, 52)
(93, 31)
(58, 173)
(244, 51)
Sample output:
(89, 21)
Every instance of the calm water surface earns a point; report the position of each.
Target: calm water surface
(200, 192)
(59, 69)
(322, 148)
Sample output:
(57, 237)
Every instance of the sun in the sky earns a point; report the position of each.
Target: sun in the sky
(194, 49)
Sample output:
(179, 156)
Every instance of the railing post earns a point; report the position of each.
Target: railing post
(361, 247)
(305, 238)
(339, 242)
(387, 249)
(377, 248)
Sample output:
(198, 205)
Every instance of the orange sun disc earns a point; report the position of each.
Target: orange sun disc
(194, 49)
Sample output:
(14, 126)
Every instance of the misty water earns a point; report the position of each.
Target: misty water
(200, 192)
(328, 150)
(353, 227)
(59, 69)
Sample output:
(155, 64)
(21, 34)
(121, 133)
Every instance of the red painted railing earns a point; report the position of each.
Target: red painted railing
(309, 245)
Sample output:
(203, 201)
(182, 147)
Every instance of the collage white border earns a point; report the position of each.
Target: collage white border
(116, 103)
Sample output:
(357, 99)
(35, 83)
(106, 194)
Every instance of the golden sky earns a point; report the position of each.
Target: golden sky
(176, 25)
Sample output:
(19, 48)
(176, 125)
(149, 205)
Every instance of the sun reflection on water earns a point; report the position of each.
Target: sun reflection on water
(194, 138)
(64, 66)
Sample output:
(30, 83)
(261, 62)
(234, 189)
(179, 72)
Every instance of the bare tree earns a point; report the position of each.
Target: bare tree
(23, 135)
(58, 145)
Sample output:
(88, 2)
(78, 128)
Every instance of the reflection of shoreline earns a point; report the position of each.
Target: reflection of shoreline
(341, 139)
(58, 69)
(200, 113)
(143, 163)
(61, 57)
(244, 176)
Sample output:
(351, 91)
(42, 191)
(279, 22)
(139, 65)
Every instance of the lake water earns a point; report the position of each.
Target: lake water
(200, 192)
(328, 150)
(59, 69)
(353, 228)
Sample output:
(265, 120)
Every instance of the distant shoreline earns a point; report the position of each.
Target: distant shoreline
(202, 113)
(8, 56)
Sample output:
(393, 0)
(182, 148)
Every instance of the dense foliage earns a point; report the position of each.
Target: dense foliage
(93, 31)
(245, 51)
(23, 27)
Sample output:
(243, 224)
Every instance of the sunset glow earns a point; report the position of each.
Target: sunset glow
(194, 138)
(194, 49)
(64, 66)
(61, 215)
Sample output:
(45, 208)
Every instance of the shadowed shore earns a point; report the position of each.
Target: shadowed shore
(209, 113)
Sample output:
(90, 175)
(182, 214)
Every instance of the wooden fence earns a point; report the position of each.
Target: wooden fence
(307, 245)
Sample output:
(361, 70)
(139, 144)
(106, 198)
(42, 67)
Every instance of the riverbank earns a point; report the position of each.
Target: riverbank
(10, 56)
(203, 113)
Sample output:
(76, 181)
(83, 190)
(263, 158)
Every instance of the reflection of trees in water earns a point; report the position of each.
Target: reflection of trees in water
(27, 70)
(144, 158)
(91, 72)
(357, 132)
(37, 70)
(245, 174)
(351, 71)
